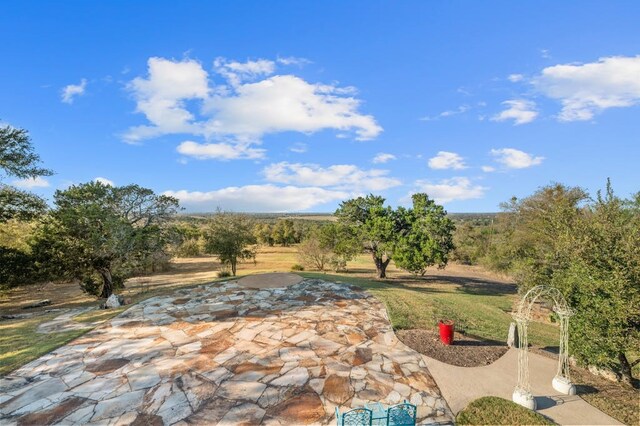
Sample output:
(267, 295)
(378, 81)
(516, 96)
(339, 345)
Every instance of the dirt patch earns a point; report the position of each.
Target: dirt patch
(465, 352)
(272, 280)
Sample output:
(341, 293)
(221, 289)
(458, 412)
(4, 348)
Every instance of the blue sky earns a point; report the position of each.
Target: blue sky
(295, 106)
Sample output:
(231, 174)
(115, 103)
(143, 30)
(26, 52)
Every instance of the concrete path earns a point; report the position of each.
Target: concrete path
(225, 354)
(461, 385)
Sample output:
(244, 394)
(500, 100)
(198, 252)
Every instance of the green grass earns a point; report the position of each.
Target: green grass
(491, 410)
(20, 343)
(412, 306)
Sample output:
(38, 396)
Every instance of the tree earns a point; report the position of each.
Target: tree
(229, 236)
(313, 252)
(590, 251)
(113, 232)
(425, 236)
(374, 225)
(18, 159)
(284, 232)
(20, 205)
(263, 233)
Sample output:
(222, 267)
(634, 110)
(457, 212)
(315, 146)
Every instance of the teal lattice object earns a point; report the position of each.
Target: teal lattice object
(355, 417)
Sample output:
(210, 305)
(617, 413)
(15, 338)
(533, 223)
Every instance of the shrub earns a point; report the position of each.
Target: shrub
(224, 273)
(16, 267)
(297, 267)
(191, 247)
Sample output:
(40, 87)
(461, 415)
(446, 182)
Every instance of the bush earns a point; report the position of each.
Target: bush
(16, 267)
(224, 273)
(590, 251)
(297, 267)
(191, 247)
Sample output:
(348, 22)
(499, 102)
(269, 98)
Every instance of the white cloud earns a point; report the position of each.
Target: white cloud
(447, 160)
(37, 182)
(298, 148)
(287, 103)
(219, 151)
(383, 157)
(104, 181)
(250, 104)
(453, 189)
(515, 159)
(514, 78)
(237, 72)
(341, 176)
(460, 110)
(521, 111)
(587, 89)
(292, 60)
(488, 169)
(71, 91)
(161, 98)
(258, 198)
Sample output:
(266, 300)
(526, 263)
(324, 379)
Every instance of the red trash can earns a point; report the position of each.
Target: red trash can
(446, 331)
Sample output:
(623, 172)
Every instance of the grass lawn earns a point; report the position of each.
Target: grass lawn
(492, 410)
(415, 303)
(20, 343)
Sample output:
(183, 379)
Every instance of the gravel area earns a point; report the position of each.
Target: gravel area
(465, 352)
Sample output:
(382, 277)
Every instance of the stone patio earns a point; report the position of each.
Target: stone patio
(224, 354)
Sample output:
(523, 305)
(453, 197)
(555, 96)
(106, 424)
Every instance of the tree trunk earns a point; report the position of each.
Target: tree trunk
(381, 266)
(107, 283)
(625, 368)
(233, 262)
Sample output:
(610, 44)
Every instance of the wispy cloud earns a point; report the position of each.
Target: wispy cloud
(383, 157)
(521, 111)
(448, 190)
(29, 183)
(72, 91)
(340, 176)
(448, 113)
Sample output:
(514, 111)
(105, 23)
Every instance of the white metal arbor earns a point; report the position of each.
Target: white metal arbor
(561, 382)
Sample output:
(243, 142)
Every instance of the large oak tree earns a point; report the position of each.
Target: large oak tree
(105, 230)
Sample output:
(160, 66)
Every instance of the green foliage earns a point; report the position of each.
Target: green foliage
(472, 243)
(20, 205)
(16, 267)
(297, 267)
(373, 225)
(229, 236)
(330, 244)
(192, 247)
(263, 233)
(590, 250)
(114, 232)
(17, 157)
(424, 237)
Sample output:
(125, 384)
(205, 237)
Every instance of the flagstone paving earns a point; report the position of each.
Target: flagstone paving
(224, 354)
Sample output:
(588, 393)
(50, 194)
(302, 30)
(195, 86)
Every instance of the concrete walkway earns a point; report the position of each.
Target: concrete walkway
(461, 385)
